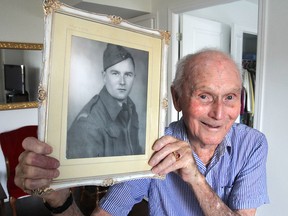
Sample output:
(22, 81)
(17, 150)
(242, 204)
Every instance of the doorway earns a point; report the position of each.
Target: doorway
(231, 19)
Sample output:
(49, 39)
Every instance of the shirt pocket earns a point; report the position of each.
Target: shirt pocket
(226, 191)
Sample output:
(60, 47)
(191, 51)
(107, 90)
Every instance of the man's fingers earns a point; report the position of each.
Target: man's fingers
(39, 173)
(163, 147)
(170, 155)
(26, 171)
(160, 168)
(38, 160)
(35, 168)
(36, 154)
(162, 142)
(32, 184)
(29, 178)
(34, 145)
(170, 164)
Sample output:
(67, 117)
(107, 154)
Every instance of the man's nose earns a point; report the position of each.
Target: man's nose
(217, 109)
(122, 80)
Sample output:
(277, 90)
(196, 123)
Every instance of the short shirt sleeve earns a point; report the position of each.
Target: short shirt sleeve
(249, 189)
(123, 196)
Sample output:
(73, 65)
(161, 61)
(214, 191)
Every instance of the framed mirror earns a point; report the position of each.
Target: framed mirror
(20, 69)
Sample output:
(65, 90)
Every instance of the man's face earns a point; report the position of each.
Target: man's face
(210, 101)
(119, 78)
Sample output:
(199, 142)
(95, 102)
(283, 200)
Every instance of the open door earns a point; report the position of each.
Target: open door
(244, 48)
(237, 34)
(199, 33)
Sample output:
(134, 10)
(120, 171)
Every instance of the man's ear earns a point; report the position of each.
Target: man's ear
(104, 76)
(176, 99)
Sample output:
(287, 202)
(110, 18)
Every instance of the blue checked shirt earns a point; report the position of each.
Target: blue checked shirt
(237, 173)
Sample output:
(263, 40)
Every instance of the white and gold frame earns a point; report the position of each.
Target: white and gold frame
(63, 26)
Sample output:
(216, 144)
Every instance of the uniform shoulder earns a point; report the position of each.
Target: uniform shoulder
(85, 112)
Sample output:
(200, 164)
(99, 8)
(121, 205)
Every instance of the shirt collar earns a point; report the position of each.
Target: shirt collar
(111, 103)
(220, 150)
(226, 143)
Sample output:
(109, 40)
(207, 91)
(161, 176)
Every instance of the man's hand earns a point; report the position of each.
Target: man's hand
(171, 155)
(36, 170)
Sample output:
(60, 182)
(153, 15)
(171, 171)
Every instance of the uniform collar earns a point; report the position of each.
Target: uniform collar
(111, 103)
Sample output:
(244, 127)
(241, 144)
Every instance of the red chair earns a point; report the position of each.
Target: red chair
(11, 144)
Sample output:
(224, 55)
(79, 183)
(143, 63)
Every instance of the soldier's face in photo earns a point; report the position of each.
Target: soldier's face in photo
(119, 79)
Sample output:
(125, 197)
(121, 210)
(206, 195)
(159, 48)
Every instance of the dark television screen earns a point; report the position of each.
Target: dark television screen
(14, 78)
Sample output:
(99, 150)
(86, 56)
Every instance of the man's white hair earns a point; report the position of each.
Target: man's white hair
(191, 60)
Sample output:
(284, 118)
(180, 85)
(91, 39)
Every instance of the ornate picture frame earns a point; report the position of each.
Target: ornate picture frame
(71, 35)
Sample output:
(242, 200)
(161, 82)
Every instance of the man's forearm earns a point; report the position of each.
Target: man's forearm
(61, 203)
(73, 210)
(59, 199)
(209, 201)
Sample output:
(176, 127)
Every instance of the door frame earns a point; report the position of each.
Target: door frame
(173, 24)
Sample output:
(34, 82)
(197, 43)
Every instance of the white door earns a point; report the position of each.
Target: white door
(199, 33)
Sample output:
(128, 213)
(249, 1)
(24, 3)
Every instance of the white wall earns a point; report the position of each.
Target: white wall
(231, 13)
(140, 5)
(21, 21)
(275, 105)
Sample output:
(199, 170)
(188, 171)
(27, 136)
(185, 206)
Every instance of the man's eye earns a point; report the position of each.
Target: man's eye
(115, 73)
(203, 96)
(229, 97)
(129, 74)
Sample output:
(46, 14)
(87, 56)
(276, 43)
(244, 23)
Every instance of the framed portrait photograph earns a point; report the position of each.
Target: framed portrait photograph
(103, 95)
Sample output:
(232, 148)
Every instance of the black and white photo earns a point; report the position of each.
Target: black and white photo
(110, 121)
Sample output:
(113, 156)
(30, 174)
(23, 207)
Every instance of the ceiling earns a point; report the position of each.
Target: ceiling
(253, 1)
(111, 10)
(104, 9)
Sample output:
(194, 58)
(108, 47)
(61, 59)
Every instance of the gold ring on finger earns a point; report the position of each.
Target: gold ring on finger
(176, 155)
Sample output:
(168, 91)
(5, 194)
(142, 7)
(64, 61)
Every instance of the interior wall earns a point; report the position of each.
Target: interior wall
(275, 118)
(231, 13)
(21, 21)
(140, 5)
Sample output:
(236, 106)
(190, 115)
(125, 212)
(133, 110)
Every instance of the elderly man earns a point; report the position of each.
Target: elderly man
(212, 165)
(108, 124)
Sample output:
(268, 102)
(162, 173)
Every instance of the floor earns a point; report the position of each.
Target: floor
(33, 206)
